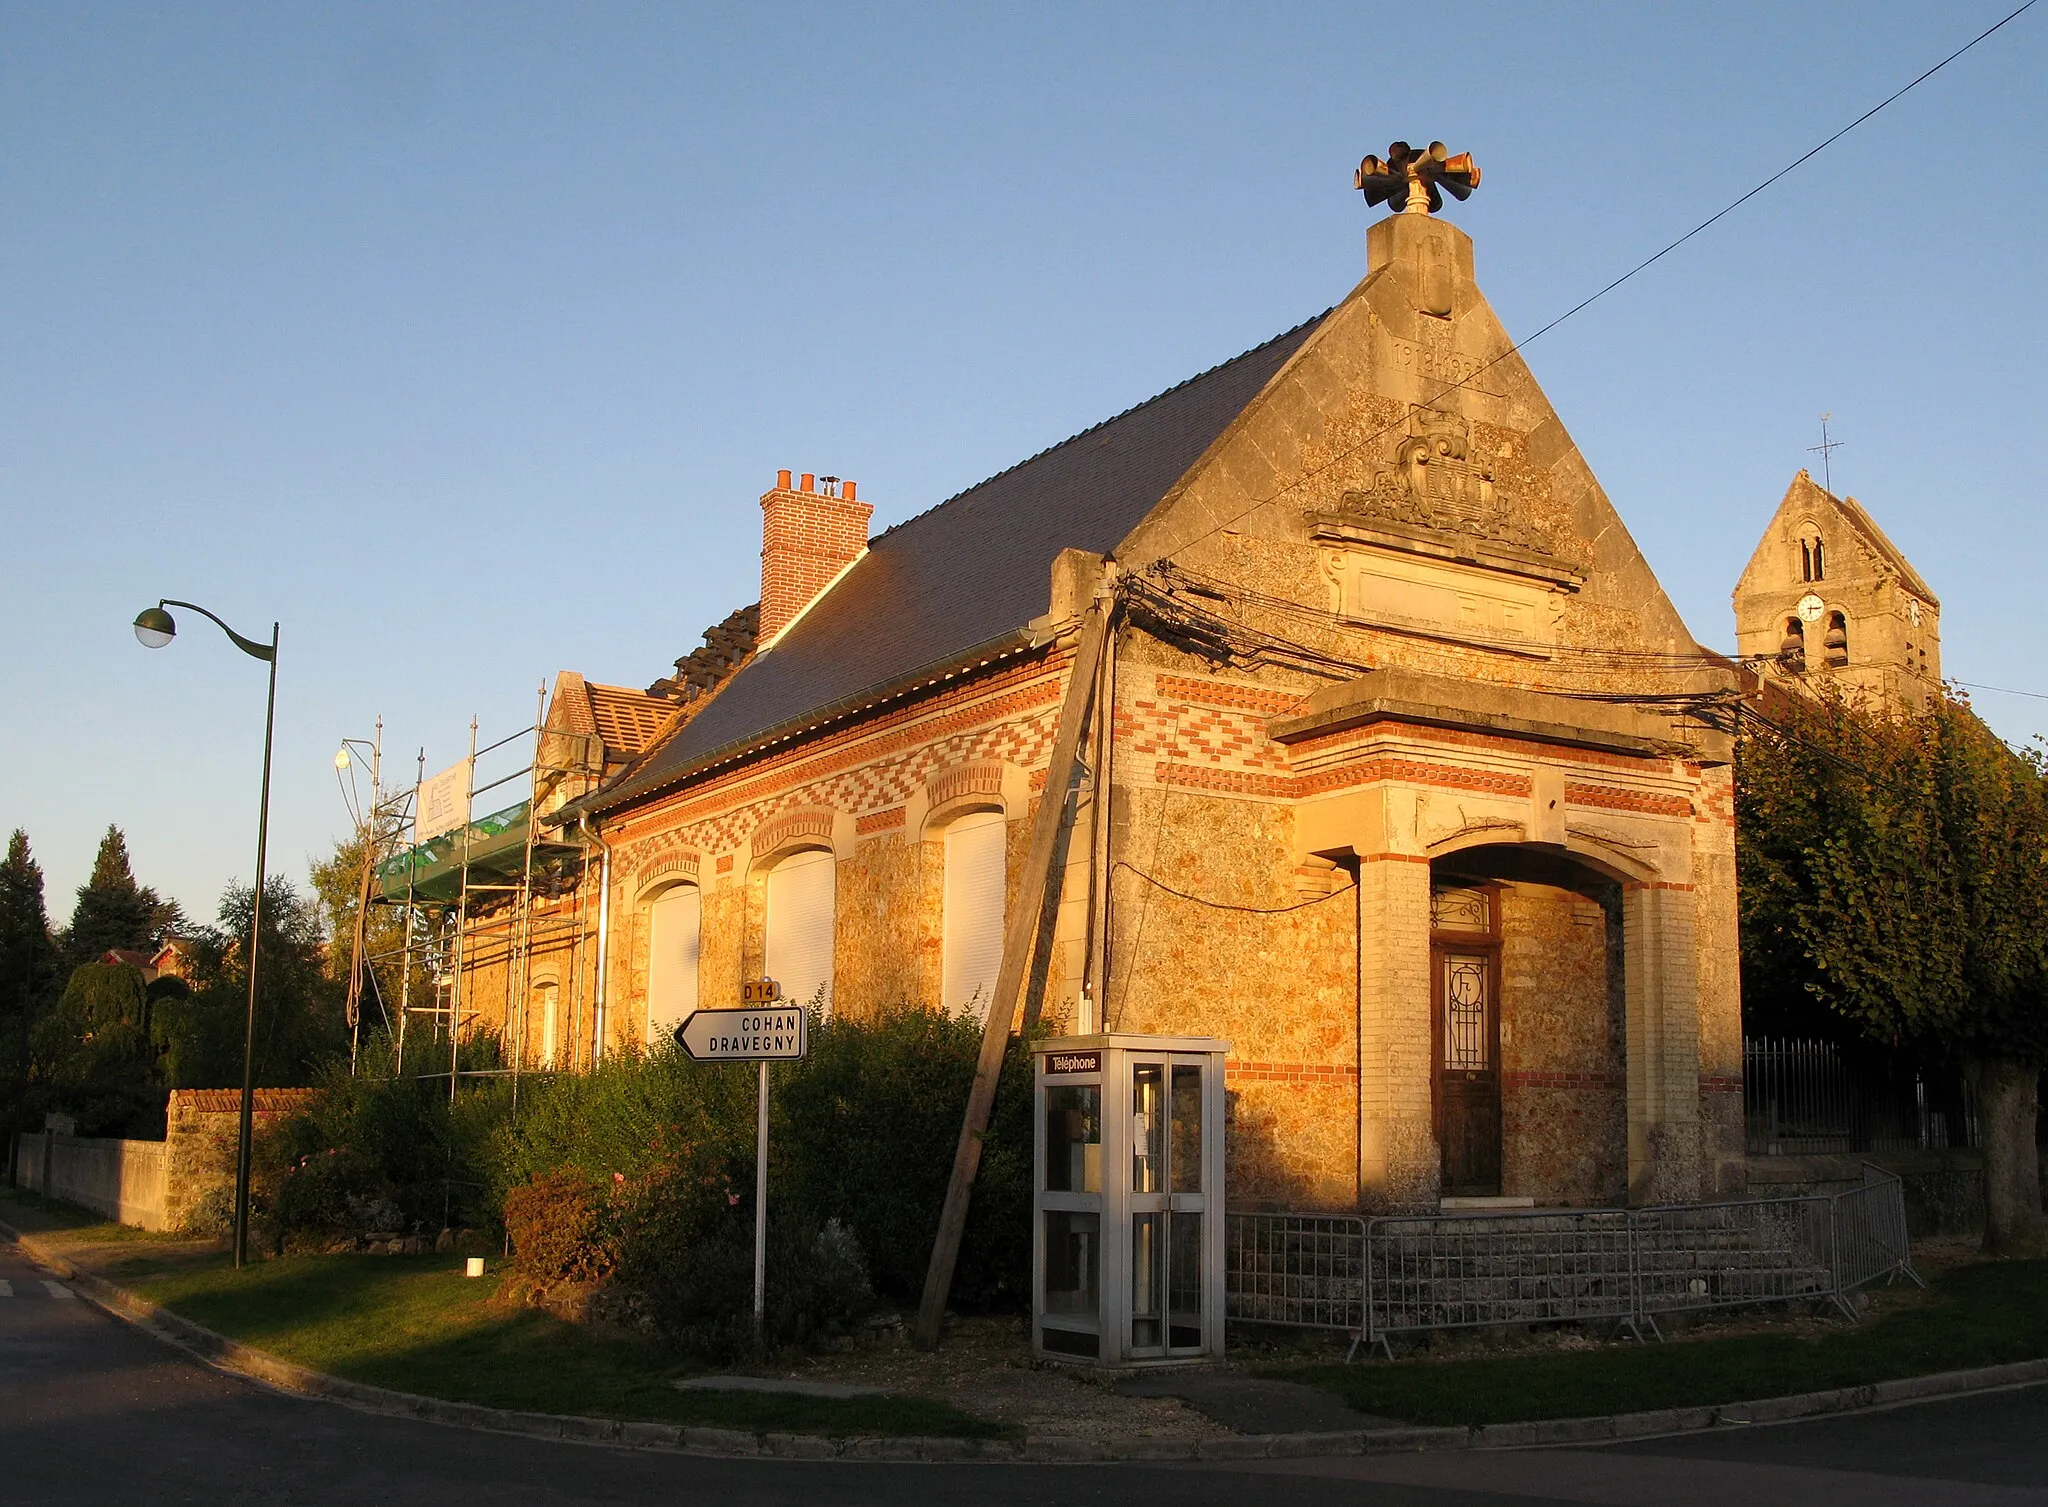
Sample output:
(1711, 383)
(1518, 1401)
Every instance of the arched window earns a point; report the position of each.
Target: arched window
(974, 912)
(800, 921)
(1813, 565)
(546, 1006)
(674, 938)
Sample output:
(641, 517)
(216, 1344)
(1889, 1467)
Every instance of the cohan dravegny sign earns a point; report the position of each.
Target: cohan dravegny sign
(772, 1033)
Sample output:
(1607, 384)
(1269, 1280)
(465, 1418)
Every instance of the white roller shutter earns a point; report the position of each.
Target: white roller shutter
(974, 911)
(674, 933)
(800, 917)
(546, 997)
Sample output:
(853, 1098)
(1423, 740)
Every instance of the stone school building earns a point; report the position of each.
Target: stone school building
(1401, 778)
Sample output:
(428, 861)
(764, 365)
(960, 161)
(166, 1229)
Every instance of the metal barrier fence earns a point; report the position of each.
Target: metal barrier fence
(1399, 1274)
(1520, 1268)
(1304, 1270)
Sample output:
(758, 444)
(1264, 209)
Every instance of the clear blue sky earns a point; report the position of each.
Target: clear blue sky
(464, 338)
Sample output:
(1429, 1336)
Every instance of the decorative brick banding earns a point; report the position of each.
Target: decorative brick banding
(678, 866)
(1529, 1078)
(1240, 1071)
(1366, 772)
(932, 717)
(794, 827)
(871, 822)
(1259, 699)
(1641, 802)
(964, 779)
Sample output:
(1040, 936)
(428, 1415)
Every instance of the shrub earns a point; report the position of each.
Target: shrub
(865, 1131)
(561, 1230)
(699, 1298)
(370, 1154)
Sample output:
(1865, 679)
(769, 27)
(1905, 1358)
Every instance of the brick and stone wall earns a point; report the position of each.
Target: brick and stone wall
(1563, 1080)
(204, 1127)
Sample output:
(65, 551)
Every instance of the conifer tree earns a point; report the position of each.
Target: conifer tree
(28, 966)
(113, 910)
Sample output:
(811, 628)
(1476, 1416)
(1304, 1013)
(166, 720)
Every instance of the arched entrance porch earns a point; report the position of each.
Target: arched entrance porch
(1528, 1027)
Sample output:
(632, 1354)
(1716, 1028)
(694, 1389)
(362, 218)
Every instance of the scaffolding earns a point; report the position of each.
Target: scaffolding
(475, 906)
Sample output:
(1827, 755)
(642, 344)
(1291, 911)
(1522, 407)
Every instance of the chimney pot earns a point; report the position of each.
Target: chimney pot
(782, 480)
(808, 484)
(847, 492)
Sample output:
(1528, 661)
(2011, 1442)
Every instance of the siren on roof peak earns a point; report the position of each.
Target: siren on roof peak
(1412, 181)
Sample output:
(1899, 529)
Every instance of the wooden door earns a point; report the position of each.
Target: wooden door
(1467, 1061)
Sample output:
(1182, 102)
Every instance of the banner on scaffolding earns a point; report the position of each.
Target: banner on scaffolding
(443, 804)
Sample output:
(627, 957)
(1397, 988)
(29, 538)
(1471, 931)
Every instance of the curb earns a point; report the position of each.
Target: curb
(236, 1358)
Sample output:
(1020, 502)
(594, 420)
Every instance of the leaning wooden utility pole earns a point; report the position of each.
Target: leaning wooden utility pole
(1020, 937)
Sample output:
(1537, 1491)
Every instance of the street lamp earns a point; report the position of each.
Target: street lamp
(154, 628)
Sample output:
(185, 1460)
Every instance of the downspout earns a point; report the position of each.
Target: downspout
(604, 931)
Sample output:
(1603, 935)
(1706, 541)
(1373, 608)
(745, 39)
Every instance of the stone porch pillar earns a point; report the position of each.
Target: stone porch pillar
(1399, 1165)
(1661, 978)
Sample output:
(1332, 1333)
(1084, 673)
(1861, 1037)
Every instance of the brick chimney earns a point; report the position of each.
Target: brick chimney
(810, 532)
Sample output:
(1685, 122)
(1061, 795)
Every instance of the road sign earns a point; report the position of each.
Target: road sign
(765, 1033)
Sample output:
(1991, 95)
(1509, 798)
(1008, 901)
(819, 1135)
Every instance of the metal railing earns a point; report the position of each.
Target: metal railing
(1372, 1278)
(1807, 1097)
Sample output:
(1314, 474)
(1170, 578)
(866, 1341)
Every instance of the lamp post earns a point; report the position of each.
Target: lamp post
(154, 628)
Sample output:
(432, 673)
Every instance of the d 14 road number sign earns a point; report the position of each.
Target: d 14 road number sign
(759, 1033)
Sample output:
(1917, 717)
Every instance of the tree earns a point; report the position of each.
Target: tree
(338, 884)
(113, 911)
(1894, 868)
(28, 967)
(96, 1055)
(298, 1006)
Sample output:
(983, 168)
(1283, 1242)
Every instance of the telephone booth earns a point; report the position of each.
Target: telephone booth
(1127, 1214)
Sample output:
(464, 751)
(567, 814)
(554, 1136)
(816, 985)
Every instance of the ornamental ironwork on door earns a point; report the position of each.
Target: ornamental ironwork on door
(1466, 1054)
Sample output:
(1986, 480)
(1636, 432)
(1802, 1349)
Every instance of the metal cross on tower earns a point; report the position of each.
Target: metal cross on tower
(1826, 450)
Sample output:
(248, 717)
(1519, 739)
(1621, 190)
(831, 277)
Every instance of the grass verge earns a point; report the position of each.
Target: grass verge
(416, 1324)
(1984, 1314)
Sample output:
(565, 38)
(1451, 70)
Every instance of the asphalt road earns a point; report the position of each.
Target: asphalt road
(93, 1412)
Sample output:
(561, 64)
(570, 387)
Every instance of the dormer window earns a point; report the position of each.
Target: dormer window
(1812, 557)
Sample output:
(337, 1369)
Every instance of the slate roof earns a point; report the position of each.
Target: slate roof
(954, 583)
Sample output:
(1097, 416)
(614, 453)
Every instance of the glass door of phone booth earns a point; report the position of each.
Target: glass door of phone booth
(1128, 1239)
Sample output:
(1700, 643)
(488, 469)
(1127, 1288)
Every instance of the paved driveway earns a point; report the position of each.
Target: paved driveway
(92, 1412)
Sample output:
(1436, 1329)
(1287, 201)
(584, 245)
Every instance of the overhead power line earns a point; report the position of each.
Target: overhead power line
(1644, 265)
(2003, 690)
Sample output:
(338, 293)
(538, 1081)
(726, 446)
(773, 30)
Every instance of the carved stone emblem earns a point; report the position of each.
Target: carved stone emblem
(1438, 482)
